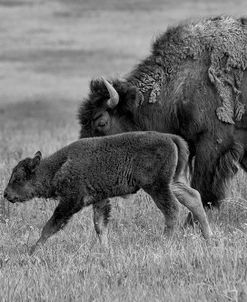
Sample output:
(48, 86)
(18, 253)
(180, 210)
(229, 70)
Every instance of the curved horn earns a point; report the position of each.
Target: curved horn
(114, 97)
(38, 154)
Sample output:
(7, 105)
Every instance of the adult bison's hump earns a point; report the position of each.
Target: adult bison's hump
(211, 47)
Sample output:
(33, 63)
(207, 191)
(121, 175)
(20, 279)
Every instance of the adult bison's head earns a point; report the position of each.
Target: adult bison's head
(109, 108)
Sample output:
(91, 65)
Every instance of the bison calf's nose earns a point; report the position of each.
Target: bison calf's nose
(5, 194)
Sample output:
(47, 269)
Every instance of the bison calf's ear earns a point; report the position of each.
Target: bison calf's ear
(36, 161)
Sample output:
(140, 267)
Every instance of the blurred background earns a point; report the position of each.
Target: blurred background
(52, 48)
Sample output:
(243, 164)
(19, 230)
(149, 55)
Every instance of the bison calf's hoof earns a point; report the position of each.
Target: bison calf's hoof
(189, 221)
(208, 234)
(33, 249)
(169, 232)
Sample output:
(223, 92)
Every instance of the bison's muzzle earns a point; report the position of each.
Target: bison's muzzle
(11, 198)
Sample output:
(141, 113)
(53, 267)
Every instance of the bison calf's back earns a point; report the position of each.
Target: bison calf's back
(89, 171)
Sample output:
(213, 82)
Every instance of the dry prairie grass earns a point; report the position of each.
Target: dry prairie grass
(140, 264)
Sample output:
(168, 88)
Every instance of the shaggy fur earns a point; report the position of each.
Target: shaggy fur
(193, 84)
(90, 171)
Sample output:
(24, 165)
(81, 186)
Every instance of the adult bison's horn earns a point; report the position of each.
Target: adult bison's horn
(114, 97)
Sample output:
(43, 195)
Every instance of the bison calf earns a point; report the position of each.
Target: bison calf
(91, 170)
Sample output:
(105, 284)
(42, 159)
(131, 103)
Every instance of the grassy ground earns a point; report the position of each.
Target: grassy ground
(49, 51)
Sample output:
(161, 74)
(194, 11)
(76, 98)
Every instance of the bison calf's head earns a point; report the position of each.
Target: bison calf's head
(21, 184)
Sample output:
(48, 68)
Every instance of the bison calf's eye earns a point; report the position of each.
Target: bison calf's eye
(101, 124)
(17, 180)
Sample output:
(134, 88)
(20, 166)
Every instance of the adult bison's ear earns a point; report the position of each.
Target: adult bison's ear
(35, 161)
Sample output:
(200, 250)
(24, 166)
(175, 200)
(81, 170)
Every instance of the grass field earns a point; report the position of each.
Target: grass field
(49, 52)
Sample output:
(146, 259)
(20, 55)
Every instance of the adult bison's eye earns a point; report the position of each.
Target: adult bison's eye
(101, 123)
(17, 179)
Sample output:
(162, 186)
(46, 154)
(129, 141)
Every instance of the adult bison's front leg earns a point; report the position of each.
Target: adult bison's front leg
(204, 168)
(214, 166)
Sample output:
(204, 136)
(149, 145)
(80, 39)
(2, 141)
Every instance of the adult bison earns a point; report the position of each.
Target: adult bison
(193, 84)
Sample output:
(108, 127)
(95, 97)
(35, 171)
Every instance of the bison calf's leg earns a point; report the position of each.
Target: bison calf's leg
(101, 211)
(167, 203)
(191, 199)
(63, 212)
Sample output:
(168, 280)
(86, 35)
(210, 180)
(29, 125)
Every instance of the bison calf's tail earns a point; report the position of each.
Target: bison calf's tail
(183, 157)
